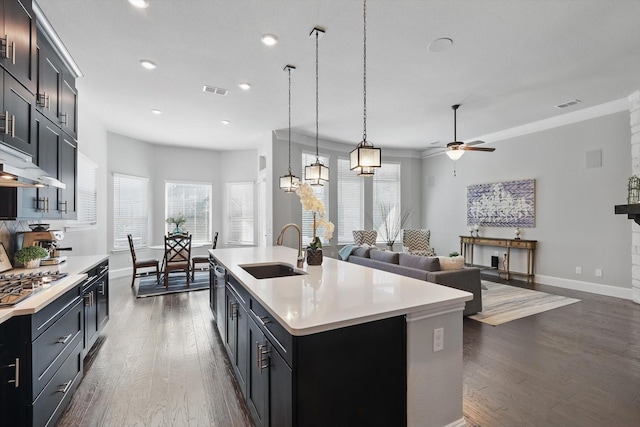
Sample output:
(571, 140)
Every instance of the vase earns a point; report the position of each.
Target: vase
(33, 263)
(390, 248)
(177, 230)
(314, 256)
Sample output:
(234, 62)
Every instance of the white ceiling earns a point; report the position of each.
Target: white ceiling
(510, 63)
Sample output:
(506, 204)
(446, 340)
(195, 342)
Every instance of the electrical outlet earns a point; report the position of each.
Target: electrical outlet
(496, 253)
(438, 339)
(578, 270)
(598, 272)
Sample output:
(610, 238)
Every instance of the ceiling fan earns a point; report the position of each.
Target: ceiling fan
(456, 149)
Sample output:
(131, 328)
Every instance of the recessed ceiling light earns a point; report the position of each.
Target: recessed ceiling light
(225, 122)
(269, 39)
(438, 45)
(244, 86)
(142, 4)
(156, 112)
(149, 65)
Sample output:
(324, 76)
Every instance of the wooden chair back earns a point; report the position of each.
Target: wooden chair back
(177, 249)
(131, 248)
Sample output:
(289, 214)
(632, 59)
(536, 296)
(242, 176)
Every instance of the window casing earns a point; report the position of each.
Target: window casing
(350, 202)
(130, 210)
(386, 192)
(193, 200)
(322, 193)
(87, 193)
(240, 213)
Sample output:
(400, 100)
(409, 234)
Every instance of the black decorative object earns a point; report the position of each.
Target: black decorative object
(314, 256)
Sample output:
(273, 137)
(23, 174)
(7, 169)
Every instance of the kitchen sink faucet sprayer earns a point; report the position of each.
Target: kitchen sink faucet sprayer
(300, 260)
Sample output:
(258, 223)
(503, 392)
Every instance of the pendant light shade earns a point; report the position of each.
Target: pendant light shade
(365, 158)
(289, 182)
(316, 173)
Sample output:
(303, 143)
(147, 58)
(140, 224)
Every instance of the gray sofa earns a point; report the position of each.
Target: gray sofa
(423, 268)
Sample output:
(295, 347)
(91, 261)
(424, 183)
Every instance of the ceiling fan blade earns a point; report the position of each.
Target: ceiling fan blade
(467, 148)
(474, 142)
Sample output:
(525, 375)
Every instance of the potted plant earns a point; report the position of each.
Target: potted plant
(311, 203)
(178, 221)
(392, 223)
(30, 256)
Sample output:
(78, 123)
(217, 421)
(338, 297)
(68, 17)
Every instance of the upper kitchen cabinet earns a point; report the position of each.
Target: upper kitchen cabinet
(17, 116)
(18, 49)
(57, 97)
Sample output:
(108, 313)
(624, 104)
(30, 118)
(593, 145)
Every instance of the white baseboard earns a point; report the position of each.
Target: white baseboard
(121, 272)
(594, 288)
(459, 423)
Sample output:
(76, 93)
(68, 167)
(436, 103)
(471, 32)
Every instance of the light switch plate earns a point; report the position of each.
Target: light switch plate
(438, 339)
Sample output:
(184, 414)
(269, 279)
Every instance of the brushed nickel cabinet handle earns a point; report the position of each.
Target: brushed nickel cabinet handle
(102, 286)
(263, 362)
(13, 126)
(264, 320)
(65, 206)
(63, 340)
(87, 301)
(13, 53)
(6, 122)
(63, 116)
(65, 387)
(16, 380)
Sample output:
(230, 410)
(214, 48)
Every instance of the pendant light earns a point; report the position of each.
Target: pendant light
(365, 157)
(289, 182)
(316, 173)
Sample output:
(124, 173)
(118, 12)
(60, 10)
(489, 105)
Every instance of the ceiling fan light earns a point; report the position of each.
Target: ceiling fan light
(454, 154)
(365, 156)
(316, 174)
(289, 183)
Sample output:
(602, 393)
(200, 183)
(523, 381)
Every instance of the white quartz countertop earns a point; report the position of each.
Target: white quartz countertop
(335, 294)
(74, 265)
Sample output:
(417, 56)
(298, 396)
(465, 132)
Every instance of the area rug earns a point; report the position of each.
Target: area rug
(148, 287)
(503, 303)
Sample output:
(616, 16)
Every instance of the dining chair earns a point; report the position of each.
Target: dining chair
(202, 259)
(143, 263)
(177, 254)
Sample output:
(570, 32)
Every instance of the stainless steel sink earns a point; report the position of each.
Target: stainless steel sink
(270, 270)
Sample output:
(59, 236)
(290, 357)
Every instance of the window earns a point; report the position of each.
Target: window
(322, 193)
(386, 199)
(193, 200)
(240, 213)
(130, 210)
(350, 202)
(87, 193)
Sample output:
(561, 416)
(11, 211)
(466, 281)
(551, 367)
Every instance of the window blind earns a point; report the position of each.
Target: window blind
(240, 213)
(350, 202)
(87, 193)
(193, 200)
(322, 193)
(386, 193)
(130, 210)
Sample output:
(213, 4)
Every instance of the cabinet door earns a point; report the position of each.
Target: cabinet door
(69, 105)
(12, 375)
(280, 390)
(49, 80)
(19, 46)
(90, 317)
(68, 174)
(258, 380)
(49, 145)
(103, 298)
(17, 121)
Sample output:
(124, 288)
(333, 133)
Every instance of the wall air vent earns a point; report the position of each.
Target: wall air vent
(568, 103)
(215, 90)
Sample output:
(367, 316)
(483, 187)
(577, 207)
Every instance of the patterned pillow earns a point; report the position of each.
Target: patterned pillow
(417, 242)
(364, 237)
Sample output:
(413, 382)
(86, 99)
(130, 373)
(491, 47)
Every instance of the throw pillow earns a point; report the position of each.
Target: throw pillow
(385, 256)
(362, 237)
(362, 251)
(420, 262)
(451, 263)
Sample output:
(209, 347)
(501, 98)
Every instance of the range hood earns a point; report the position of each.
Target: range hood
(18, 170)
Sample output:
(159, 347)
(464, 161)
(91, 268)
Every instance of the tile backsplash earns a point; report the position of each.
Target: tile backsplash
(8, 230)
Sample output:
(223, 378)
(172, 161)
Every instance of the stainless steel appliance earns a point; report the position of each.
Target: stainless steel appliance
(16, 287)
(48, 239)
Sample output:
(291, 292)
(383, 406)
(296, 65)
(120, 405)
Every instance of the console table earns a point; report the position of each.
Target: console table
(468, 242)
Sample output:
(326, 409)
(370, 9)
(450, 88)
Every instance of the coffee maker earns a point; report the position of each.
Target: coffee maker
(45, 238)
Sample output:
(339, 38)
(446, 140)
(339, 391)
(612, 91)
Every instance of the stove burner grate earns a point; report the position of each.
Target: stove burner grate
(14, 288)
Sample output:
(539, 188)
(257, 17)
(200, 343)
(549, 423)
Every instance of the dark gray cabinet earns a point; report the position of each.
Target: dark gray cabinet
(17, 115)
(353, 375)
(95, 296)
(18, 43)
(11, 386)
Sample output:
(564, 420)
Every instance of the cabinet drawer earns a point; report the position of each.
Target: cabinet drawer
(241, 293)
(52, 348)
(44, 318)
(276, 333)
(516, 244)
(51, 402)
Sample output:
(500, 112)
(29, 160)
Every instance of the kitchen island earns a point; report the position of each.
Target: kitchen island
(341, 344)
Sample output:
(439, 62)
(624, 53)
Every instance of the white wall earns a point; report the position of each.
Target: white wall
(575, 220)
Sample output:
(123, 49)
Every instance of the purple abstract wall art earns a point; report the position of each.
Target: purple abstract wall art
(502, 204)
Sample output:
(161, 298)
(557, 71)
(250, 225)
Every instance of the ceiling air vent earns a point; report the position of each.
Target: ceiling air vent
(215, 90)
(569, 103)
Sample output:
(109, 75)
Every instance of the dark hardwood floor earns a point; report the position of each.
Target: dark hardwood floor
(161, 363)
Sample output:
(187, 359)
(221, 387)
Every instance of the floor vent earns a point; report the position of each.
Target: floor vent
(215, 90)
